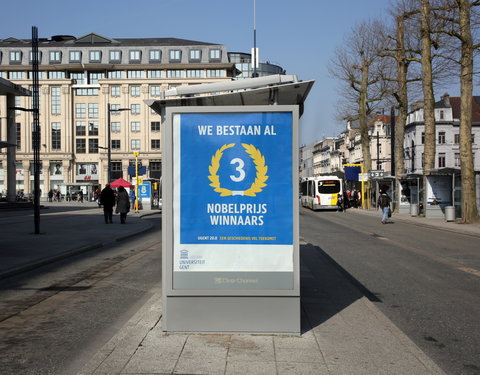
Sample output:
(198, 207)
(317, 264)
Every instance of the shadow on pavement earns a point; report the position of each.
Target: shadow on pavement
(326, 287)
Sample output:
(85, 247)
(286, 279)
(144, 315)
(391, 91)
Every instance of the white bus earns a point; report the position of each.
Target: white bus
(321, 192)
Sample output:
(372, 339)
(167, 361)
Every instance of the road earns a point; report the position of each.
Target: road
(425, 280)
(54, 319)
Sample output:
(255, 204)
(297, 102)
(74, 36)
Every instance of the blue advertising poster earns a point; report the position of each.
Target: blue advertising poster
(236, 178)
(144, 190)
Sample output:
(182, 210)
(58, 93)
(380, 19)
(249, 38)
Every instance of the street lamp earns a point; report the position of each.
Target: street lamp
(109, 140)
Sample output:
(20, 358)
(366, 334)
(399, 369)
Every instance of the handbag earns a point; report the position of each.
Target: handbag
(389, 212)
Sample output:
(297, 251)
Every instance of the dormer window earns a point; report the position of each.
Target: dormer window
(155, 55)
(39, 56)
(55, 57)
(175, 55)
(195, 55)
(75, 56)
(95, 56)
(115, 56)
(15, 57)
(215, 54)
(135, 56)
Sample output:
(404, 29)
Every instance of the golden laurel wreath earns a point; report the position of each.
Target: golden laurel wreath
(260, 178)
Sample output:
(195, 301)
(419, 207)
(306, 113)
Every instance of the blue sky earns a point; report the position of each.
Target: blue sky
(298, 35)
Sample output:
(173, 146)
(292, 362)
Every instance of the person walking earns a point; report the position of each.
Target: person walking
(107, 199)
(123, 204)
(383, 203)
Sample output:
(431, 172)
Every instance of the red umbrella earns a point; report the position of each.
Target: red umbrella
(120, 182)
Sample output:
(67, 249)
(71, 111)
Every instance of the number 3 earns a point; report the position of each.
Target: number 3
(239, 169)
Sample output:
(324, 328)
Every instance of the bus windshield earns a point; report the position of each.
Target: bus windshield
(329, 187)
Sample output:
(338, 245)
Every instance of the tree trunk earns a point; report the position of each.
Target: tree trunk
(469, 204)
(402, 99)
(364, 138)
(429, 101)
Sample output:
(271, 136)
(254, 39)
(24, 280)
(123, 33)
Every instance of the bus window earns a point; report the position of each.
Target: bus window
(329, 187)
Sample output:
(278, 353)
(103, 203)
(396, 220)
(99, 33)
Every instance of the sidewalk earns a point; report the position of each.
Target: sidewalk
(451, 226)
(66, 229)
(343, 332)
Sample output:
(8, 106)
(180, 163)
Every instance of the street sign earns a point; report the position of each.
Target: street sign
(376, 173)
(363, 177)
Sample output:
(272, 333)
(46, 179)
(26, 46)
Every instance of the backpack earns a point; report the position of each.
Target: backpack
(383, 200)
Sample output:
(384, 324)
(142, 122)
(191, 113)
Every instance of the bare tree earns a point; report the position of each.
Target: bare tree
(458, 15)
(357, 64)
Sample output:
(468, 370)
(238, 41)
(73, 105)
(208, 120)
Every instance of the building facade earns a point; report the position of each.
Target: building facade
(80, 79)
(447, 122)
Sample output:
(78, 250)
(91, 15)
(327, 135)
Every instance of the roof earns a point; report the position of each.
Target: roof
(455, 102)
(99, 40)
(380, 118)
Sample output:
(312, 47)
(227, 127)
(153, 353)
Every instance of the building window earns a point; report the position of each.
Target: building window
(15, 57)
(56, 136)
(155, 143)
(441, 160)
(135, 126)
(442, 115)
(155, 126)
(39, 56)
(80, 128)
(75, 56)
(195, 55)
(56, 75)
(195, 73)
(456, 138)
(136, 74)
(135, 144)
(114, 109)
(155, 73)
(115, 127)
(55, 93)
(441, 138)
(155, 55)
(175, 73)
(80, 110)
(457, 159)
(16, 75)
(154, 90)
(86, 92)
(95, 56)
(135, 90)
(115, 91)
(19, 135)
(135, 109)
(135, 56)
(79, 78)
(155, 169)
(94, 77)
(115, 144)
(116, 74)
(215, 73)
(92, 110)
(215, 54)
(116, 169)
(423, 138)
(93, 145)
(175, 55)
(55, 57)
(93, 128)
(81, 146)
(115, 56)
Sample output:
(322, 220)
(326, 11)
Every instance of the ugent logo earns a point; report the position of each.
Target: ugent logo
(260, 178)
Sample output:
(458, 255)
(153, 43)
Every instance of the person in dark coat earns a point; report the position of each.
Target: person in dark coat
(123, 204)
(107, 200)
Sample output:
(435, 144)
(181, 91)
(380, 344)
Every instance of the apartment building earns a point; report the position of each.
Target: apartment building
(86, 81)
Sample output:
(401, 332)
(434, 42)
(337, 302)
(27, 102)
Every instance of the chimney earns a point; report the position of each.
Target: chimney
(446, 100)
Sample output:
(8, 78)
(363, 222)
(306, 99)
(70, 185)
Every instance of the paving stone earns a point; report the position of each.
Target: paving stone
(251, 368)
(306, 368)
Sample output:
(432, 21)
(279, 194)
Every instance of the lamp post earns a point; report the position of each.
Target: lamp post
(109, 140)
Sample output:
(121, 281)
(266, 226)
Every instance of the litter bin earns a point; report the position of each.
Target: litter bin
(450, 213)
(414, 210)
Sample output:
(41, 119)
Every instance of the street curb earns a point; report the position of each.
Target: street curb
(68, 254)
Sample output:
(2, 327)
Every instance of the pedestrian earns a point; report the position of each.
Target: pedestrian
(340, 203)
(80, 196)
(123, 204)
(107, 199)
(132, 197)
(383, 203)
(355, 198)
(50, 195)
